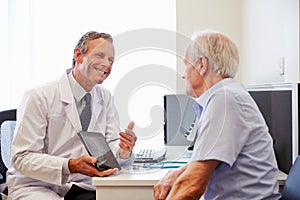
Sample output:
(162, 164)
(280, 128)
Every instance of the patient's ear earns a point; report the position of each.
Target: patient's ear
(203, 62)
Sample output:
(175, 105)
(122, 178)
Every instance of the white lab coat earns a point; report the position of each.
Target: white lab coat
(46, 136)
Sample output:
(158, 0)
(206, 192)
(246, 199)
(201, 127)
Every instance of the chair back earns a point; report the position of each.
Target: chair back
(291, 189)
(7, 115)
(6, 137)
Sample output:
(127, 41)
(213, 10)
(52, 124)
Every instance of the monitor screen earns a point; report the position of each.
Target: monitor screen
(279, 107)
(178, 119)
(188, 118)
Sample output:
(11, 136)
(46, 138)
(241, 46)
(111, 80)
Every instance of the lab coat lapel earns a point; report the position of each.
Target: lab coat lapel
(97, 108)
(70, 105)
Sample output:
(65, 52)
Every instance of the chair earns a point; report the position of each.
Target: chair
(7, 124)
(291, 189)
(6, 137)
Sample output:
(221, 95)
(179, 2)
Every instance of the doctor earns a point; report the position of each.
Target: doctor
(49, 159)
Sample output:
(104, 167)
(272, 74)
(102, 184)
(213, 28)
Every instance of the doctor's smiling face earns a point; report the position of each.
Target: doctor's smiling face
(93, 66)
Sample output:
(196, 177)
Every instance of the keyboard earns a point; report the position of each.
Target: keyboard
(150, 156)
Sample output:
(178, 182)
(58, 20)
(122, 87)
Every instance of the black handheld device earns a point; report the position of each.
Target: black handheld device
(97, 147)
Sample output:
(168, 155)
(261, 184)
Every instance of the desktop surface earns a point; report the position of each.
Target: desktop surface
(137, 182)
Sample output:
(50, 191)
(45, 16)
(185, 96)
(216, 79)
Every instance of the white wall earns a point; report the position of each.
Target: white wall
(38, 38)
(265, 31)
(270, 32)
(219, 15)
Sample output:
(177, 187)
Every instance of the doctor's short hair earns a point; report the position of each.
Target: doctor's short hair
(91, 35)
(221, 52)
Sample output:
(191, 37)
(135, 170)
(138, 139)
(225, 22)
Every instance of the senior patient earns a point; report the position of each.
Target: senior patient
(49, 160)
(233, 156)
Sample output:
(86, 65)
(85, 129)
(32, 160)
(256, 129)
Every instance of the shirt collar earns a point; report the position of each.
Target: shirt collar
(204, 98)
(198, 109)
(77, 89)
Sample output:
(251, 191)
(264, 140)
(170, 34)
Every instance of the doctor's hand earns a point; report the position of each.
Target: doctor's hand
(84, 165)
(127, 141)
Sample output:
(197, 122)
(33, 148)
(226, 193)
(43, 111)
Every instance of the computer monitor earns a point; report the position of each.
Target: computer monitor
(279, 105)
(179, 119)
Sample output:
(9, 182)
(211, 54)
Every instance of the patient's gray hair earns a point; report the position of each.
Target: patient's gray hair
(221, 52)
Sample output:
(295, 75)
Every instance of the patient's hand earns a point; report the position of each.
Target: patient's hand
(84, 165)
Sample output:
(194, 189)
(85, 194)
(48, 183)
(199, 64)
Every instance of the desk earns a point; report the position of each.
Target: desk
(127, 186)
(135, 184)
(138, 184)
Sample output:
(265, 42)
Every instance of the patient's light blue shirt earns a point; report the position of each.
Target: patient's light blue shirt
(232, 130)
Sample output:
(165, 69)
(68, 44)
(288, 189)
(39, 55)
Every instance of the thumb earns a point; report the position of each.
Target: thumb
(89, 159)
(131, 125)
